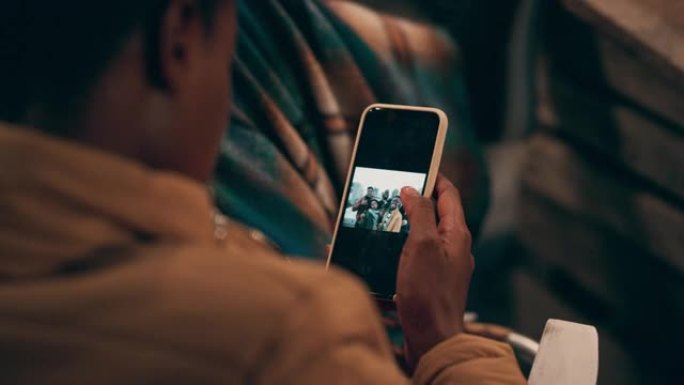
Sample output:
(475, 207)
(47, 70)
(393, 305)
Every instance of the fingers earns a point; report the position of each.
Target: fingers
(449, 207)
(420, 211)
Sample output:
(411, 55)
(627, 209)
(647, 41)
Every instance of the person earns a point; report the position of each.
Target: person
(384, 203)
(362, 205)
(115, 267)
(392, 220)
(370, 217)
(384, 209)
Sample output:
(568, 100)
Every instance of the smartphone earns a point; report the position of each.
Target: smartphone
(396, 146)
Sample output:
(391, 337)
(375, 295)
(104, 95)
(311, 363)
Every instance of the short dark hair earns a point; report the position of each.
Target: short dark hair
(52, 51)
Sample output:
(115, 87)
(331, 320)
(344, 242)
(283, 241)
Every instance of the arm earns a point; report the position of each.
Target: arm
(336, 337)
(468, 359)
(334, 334)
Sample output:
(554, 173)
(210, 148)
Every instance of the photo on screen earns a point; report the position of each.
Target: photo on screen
(374, 203)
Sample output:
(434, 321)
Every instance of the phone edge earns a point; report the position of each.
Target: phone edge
(346, 184)
(434, 165)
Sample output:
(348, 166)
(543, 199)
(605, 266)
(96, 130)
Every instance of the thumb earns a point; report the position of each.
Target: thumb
(420, 210)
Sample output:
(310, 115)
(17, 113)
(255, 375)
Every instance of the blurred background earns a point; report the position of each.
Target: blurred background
(580, 105)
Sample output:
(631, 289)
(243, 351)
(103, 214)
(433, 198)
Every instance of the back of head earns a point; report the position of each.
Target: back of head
(51, 51)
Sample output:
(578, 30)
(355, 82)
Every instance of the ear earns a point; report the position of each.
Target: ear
(180, 40)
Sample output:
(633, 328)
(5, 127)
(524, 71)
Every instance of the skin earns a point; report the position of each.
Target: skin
(435, 268)
(178, 128)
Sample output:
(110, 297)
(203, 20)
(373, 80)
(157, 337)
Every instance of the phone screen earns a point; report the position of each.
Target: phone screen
(395, 150)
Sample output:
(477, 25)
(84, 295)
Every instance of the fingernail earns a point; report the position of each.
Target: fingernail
(410, 191)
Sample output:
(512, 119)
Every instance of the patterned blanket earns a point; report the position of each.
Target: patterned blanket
(304, 72)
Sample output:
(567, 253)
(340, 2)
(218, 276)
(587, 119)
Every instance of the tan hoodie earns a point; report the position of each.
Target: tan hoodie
(111, 273)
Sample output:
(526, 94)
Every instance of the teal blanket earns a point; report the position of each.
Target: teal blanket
(304, 71)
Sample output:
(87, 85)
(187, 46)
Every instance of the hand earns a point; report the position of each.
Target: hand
(434, 270)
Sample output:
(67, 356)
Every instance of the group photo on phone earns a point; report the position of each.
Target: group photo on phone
(374, 201)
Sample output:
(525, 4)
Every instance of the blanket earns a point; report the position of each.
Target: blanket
(304, 71)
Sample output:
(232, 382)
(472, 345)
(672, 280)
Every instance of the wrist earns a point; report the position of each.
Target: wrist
(422, 340)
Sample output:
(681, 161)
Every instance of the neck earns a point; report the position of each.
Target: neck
(116, 113)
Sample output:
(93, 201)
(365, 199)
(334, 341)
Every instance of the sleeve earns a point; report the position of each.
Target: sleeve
(335, 337)
(467, 359)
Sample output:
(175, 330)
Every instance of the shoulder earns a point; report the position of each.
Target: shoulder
(199, 309)
(242, 302)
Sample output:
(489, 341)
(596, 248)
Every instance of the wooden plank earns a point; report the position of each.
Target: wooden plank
(614, 269)
(586, 254)
(634, 141)
(555, 171)
(634, 77)
(640, 298)
(602, 63)
(654, 29)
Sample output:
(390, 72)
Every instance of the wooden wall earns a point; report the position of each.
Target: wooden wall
(602, 207)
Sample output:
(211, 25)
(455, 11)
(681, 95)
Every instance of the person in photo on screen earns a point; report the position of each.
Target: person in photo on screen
(384, 203)
(362, 205)
(393, 220)
(384, 208)
(370, 218)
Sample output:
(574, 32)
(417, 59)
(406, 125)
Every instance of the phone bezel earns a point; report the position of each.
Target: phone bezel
(431, 174)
